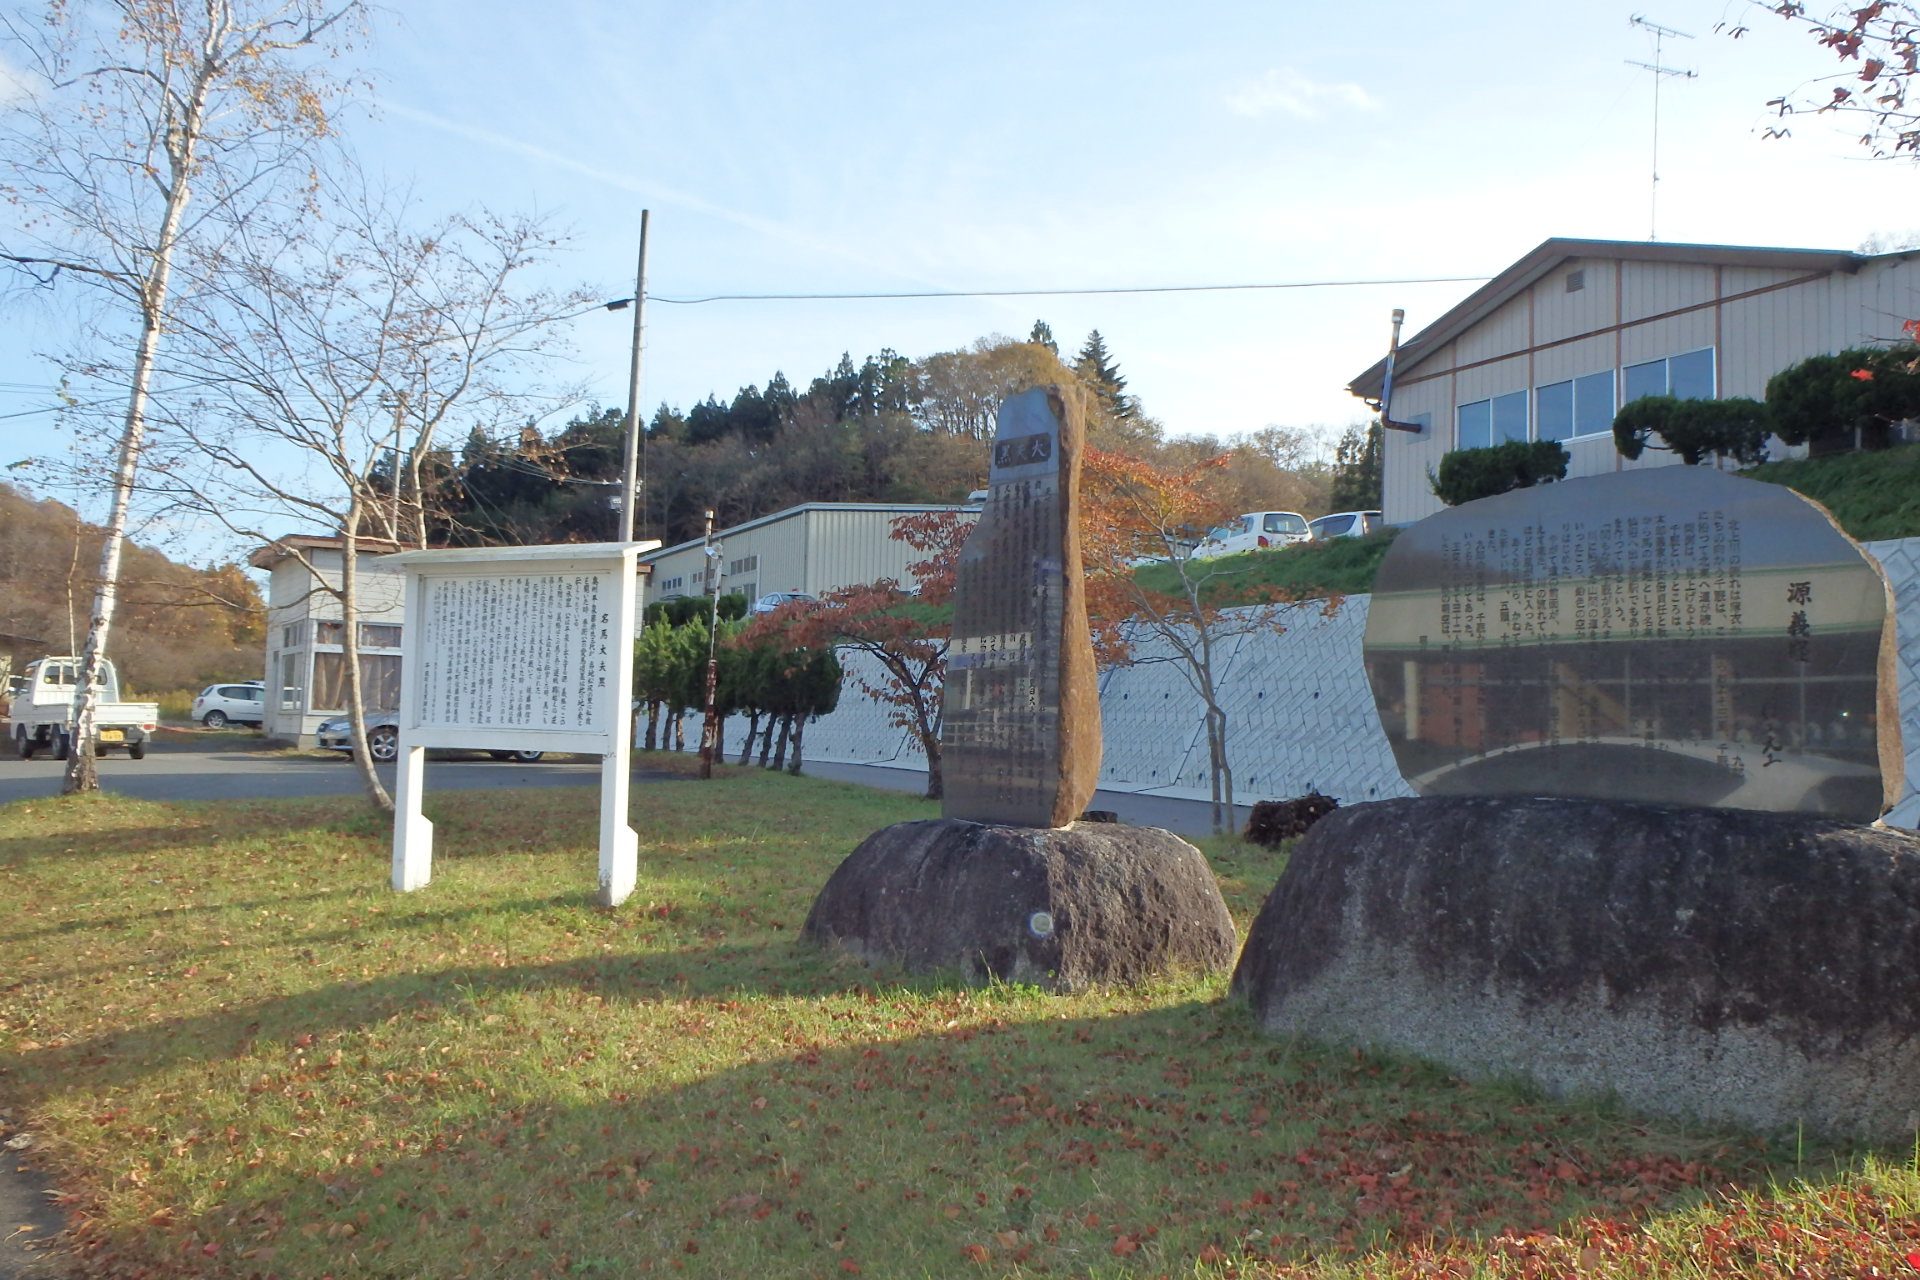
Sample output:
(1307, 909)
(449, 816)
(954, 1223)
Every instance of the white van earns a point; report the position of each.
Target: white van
(1253, 531)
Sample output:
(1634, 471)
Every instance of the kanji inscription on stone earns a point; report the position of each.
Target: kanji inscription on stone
(1020, 736)
(1671, 635)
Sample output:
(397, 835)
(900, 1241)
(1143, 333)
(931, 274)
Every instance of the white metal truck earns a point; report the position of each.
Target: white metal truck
(41, 714)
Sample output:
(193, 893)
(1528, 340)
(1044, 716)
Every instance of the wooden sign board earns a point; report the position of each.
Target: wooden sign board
(525, 649)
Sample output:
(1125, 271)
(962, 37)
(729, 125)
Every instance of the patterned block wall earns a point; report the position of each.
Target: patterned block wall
(1900, 560)
(1300, 716)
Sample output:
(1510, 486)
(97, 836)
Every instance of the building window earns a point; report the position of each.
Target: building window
(379, 635)
(292, 688)
(1688, 376)
(745, 564)
(294, 635)
(1492, 421)
(329, 632)
(750, 590)
(673, 584)
(379, 682)
(1576, 407)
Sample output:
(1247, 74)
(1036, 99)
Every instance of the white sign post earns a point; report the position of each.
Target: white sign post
(522, 649)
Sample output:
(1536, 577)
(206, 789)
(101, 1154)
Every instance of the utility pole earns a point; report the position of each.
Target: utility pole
(1660, 72)
(710, 727)
(635, 480)
(398, 400)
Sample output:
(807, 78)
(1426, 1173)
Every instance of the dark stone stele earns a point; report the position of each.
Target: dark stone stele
(1006, 885)
(1020, 724)
(1724, 965)
(1095, 904)
(1663, 636)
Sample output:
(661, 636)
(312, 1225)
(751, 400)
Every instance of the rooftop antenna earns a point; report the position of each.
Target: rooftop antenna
(1660, 72)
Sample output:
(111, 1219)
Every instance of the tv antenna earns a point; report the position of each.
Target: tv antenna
(1660, 72)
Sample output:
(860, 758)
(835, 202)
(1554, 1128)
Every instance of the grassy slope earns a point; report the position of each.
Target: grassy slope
(243, 1055)
(1872, 495)
(1339, 566)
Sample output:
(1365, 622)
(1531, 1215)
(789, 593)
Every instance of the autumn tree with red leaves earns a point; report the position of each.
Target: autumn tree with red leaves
(905, 630)
(1881, 43)
(1131, 513)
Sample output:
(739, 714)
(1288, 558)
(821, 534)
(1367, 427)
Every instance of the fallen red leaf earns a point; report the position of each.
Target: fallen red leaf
(975, 1252)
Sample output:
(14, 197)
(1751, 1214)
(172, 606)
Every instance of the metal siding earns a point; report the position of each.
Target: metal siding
(1658, 339)
(1651, 288)
(1559, 314)
(1405, 493)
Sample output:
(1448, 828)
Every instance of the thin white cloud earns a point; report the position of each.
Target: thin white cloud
(665, 194)
(1288, 90)
(15, 85)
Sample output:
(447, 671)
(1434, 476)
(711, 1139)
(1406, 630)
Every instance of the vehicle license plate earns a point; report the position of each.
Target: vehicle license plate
(111, 735)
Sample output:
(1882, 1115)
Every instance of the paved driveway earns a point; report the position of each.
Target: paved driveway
(228, 772)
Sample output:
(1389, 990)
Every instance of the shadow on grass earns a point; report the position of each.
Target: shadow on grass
(814, 1131)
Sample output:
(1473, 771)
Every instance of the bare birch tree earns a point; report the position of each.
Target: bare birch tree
(141, 124)
(318, 364)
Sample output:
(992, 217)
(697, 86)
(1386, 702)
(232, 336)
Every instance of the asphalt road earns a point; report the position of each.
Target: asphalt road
(232, 767)
(239, 771)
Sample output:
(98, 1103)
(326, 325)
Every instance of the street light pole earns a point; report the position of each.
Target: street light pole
(710, 726)
(630, 494)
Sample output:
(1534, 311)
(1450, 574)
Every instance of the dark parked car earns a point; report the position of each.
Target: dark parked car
(383, 738)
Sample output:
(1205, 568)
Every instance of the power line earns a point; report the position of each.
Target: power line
(1047, 293)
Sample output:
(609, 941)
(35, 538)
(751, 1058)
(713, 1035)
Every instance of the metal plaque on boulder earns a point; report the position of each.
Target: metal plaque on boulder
(1020, 735)
(1668, 636)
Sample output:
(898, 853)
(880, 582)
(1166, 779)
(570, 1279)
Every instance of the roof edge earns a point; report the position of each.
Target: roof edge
(1550, 253)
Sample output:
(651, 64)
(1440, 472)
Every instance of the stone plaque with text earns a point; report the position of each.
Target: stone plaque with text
(1667, 636)
(1020, 735)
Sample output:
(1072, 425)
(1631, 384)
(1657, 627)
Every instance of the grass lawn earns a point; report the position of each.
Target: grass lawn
(242, 1055)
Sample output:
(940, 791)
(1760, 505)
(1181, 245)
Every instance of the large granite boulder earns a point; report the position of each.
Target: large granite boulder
(1731, 966)
(1062, 908)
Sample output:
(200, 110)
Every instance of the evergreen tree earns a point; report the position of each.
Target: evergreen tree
(1102, 377)
(1042, 336)
(1357, 468)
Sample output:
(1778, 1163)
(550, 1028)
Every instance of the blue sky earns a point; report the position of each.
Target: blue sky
(841, 147)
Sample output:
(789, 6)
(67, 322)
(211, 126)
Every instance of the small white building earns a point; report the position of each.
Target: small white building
(815, 547)
(306, 634)
(1552, 347)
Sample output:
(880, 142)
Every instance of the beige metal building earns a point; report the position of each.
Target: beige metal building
(814, 547)
(1551, 347)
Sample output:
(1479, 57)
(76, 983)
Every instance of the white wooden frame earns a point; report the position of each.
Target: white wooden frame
(607, 651)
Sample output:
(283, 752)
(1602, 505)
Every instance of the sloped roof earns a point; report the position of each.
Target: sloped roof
(1549, 256)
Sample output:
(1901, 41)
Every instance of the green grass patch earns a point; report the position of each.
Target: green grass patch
(241, 1054)
(1873, 495)
(1308, 570)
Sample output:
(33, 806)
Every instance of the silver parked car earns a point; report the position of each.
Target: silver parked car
(383, 738)
(221, 704)
(1346, 524)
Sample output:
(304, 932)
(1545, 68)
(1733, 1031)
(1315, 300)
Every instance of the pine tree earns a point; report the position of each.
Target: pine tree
(1357, 468)
(1042, 336)
(1102, 376)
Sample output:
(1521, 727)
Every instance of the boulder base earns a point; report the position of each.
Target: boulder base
(1062, 908)
(1718, 964)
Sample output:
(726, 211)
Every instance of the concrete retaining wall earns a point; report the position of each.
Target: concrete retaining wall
(1300, 714)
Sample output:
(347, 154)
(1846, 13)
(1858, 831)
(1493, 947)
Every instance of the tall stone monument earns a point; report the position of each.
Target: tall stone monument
(1007, 885)
(1020, 736)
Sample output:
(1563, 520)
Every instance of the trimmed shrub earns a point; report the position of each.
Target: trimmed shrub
(1695, 429)
(1467, 474)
